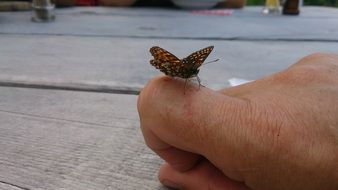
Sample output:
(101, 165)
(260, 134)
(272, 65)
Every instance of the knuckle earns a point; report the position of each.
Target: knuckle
(317, 55)
(314, 68)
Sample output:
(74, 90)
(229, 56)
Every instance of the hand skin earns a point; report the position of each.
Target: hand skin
(279, 132)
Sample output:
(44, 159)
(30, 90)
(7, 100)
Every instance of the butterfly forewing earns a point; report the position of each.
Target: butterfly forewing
(166, 62)
(163, 55)
(197, 58)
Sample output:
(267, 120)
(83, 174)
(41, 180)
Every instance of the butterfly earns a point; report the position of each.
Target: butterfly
(185, 68)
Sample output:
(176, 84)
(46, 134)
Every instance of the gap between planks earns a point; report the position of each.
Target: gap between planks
(74, 87)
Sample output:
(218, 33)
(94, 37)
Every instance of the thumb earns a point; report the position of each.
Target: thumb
(199, 121)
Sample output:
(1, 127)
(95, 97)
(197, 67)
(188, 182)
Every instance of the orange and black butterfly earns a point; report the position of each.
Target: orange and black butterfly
(172, 66)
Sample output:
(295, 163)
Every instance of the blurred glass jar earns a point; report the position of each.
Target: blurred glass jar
(271, 7)
(43, 11)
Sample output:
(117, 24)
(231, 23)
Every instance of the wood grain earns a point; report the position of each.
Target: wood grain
(122, 64)
(72, 140)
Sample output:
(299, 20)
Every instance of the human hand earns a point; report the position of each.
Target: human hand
(279, 132)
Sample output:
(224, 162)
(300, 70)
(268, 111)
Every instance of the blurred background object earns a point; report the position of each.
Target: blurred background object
(43, 10)
(237, 4)
(330, 3)
(154, 3)
(65, 3)
(86, 2)
(271, 7)
(196, 4)
(291, 7)
(116, 3)
(15, 5)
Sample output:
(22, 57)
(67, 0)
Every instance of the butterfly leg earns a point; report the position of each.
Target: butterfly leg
(199, 82)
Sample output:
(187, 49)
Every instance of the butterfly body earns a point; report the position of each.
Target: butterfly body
(172, 66)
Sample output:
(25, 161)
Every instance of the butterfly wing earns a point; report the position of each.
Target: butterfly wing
(163, 55)
(196, 59)
(166, 62)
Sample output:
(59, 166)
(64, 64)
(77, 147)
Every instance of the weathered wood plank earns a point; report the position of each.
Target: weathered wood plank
(6, 186)
(113, 63)
(313, 23)
(54, 139)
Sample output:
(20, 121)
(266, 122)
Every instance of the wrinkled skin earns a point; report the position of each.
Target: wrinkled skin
(278, 132)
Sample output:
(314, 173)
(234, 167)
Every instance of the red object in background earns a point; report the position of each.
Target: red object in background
(86, 2)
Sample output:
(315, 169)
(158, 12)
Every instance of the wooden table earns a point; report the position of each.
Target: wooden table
(67, 89)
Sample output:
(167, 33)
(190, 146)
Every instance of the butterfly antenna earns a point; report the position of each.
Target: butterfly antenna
(211, 61)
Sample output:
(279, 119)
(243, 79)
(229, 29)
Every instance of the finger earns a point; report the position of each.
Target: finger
(179, 159)
(202, 176)
(196, 121)
(303, 71)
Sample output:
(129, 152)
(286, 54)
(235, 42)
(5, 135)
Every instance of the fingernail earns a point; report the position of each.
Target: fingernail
(169, 183)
